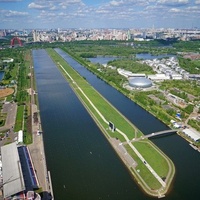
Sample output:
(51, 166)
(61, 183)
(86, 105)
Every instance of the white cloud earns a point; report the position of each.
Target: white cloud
(197, 2)
(193, 9)
(37, 6)
(173, 2)
(53, 5)
(174, 10)
(116, 3)
(13, 13)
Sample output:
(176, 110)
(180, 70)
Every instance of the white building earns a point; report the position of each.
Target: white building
(20, 137)
(158, 77)
(193, 135)
(176, 76)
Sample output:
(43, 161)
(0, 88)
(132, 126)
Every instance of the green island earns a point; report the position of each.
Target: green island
(154, 178)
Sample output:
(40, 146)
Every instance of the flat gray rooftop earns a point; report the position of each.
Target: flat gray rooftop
(13, 181)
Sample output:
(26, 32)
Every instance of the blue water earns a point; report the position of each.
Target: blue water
(102, 60)
(1, 75)
(148, 56)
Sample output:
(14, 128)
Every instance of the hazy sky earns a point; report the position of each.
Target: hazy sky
(99, 14)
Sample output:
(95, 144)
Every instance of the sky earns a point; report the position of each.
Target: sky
(50, 14)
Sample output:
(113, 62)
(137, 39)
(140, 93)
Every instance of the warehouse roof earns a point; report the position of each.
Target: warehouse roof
(13, 181)
(195, 136)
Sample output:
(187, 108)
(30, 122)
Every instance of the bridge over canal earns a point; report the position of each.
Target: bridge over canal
(152, 135)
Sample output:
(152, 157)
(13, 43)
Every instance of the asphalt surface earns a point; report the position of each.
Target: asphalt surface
(11, 110)
(37, 153)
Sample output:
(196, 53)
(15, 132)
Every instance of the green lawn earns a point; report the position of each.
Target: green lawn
(19, 118)
(153, 157)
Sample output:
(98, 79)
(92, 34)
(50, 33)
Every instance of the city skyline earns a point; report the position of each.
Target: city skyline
(22, 14)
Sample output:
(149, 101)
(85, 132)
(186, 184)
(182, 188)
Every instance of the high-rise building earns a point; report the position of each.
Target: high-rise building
(34, 36)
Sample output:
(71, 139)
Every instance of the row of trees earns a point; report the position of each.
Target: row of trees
(190, 66)
(132, 65)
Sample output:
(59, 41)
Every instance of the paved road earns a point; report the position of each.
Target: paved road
(11, 110)
(120, 149)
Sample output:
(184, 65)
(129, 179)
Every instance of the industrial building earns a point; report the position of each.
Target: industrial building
(18, 174)
(192, 134)
(13, 181)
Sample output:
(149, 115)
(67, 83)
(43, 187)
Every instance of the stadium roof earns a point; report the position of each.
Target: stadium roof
(13, 181)
(140, 82)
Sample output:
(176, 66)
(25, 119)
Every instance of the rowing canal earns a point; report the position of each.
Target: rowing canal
(83, 165)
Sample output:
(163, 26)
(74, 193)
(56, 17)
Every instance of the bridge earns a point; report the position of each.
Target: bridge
(151, 135)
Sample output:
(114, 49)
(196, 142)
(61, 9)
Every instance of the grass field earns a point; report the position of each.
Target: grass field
(19, 118)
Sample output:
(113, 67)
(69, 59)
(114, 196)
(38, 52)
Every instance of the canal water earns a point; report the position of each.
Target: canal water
(82, 163)
(1, 75)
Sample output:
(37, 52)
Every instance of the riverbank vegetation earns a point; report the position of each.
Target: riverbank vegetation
(191, 66)
(16, 77)
(132, 66)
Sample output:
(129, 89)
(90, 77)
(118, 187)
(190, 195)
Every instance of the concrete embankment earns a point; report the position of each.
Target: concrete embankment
(37, 153)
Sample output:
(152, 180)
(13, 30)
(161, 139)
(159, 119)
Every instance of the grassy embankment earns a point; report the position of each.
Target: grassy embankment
(143, 176)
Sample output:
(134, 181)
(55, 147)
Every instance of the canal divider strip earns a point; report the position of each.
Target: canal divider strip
(123, 134)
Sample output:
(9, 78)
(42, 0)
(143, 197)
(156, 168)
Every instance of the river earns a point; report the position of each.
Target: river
(81, 161)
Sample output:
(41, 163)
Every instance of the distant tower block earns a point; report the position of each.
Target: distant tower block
(35, 35)
(111, 126)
